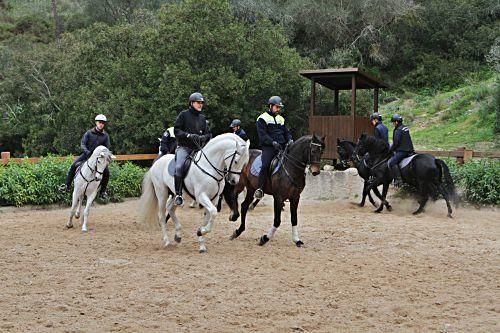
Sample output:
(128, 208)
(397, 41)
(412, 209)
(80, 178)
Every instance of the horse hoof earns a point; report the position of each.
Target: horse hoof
(77, 216)
(202, 250)
(69, 226)
(389, 208)
(449, 215)
(177, 239)
(377, 211)
(361, 205)
(263, 240)
(84, 231)
(198, 233)
(234, 217)
(235, 235)
(299, 243)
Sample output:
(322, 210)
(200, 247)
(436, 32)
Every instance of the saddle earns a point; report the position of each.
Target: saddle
(185, 167)
(257, 166)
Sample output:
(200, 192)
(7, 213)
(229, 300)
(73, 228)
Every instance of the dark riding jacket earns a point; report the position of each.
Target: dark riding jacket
(401, 140)
(168, 143)
(242, 134)
(92, 139)
(188, 122)
(381, 132)
(272, 128)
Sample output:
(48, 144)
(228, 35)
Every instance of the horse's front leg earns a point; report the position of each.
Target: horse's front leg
(278, 205)
(210, 214)
(90, 199)
(75, 208)
(374, 184)
(294, 204)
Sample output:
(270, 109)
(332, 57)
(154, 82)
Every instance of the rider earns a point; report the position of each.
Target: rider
(93, 138)
(402, 147)
(273, 136)
(192, 133)
(236, 127)
(168, 143)
(380, 131)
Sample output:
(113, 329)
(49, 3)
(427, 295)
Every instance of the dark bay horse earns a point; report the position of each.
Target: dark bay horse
(346, 153)
(428, 175)
(287, 183)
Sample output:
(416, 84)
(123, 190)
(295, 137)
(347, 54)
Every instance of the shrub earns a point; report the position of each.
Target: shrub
(27, 183)
(478, 180)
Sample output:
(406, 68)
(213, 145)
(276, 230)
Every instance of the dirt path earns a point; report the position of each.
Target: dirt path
(359, 272)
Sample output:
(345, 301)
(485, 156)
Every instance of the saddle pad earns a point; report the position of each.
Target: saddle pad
(257, 165)
(405, 161)
(171, 167)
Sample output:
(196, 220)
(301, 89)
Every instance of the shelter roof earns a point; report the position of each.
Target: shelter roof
(341, 78)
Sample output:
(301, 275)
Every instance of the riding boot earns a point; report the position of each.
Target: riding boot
(104, 184)
(259, 192)
(69, 179)
(178, 191)
(396, 173)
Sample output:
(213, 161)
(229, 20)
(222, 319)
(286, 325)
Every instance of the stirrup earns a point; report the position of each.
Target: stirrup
(259, 194)
(63, 188)
(104, 195)
(179, 200)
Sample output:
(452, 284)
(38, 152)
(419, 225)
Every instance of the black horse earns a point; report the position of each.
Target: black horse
(428, 175)
(287, 183)
(346, 153)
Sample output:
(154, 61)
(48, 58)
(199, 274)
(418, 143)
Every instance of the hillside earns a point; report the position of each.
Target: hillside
(462, 117)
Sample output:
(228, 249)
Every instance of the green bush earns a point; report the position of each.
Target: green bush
(479, 180)
(27, 183)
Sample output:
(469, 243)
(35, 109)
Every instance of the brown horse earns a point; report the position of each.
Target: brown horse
(287, 183)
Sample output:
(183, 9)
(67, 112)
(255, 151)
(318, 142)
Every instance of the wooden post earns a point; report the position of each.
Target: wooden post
(353, 107)
(468, 153)
(313, 98)
(336, 102)
(460, 159)
(375, 100)
(5, 155)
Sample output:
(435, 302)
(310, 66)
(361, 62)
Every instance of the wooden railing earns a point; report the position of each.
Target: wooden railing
(461, 155)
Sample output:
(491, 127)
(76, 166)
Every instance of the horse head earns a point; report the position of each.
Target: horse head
(316, 148)
(103, 157)
(345, 152)
(236, 160)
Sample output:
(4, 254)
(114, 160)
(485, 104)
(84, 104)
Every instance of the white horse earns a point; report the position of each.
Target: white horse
(87, 180)
(220, 160)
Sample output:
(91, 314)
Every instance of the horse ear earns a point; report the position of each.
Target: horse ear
(323, 138)
(113, 157)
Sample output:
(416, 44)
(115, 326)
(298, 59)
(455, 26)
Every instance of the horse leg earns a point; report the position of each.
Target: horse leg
(252, 206)
(244, 209)
(90, 199)
(385, 189)
(210, 214)
(162, 198)
(422, 201)
(363, 196)
(294, 204)
(75, 207)
(278, 205)
(446, 198)
(374, 184)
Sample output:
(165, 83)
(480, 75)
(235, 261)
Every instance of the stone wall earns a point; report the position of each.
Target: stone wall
(331, 185)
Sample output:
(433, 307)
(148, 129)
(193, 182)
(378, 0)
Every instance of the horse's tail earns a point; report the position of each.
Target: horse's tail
(448, 181)
(148, 204)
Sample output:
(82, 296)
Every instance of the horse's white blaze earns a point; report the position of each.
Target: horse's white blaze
(206, 190)
(86, 182)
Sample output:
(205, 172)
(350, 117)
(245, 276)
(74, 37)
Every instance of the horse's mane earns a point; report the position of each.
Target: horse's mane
(375, 145)
(225, 136)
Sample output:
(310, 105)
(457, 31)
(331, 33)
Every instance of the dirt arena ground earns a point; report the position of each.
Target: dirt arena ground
(358, 272)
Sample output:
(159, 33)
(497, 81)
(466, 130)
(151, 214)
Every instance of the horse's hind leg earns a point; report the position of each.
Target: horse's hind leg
(422, 201)
(162, 196)
(244, 209)
(278, 205)
(294, 204)
(446, 198)
(210, 214)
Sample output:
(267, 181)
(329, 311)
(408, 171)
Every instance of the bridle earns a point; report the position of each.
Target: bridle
(221, 173)
(284, 156)
(94, 171)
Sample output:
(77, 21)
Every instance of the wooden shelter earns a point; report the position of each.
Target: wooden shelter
(335, 126)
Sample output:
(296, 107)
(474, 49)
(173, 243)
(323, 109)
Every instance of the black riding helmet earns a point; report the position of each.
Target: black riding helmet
(396, 117)
(196, 97)
(376, 115)
(235, 122)
(275, 100)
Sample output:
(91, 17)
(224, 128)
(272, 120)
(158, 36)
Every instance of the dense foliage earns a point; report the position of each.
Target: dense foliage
(37, 184)
(478, 180)
(137, 61)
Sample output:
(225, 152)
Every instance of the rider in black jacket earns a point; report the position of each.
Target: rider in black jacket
(92, 139)
(192, 133)
(273, 137)
(236, 127)
(402, 146)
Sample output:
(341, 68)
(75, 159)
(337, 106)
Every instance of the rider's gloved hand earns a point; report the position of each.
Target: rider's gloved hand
(276, 145)
(205, 137)
(194, 137)
(290, 141)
